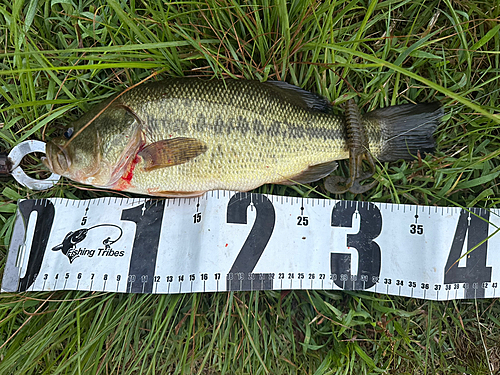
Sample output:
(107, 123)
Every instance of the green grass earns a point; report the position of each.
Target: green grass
(59, 57)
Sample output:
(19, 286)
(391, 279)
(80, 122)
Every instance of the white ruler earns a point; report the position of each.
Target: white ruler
(240, 241)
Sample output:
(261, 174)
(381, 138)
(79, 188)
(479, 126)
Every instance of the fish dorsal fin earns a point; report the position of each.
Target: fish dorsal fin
(312, 173)
(170, 152)
(300, 97)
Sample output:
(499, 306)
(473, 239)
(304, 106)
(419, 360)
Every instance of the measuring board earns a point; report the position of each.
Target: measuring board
(228, 241)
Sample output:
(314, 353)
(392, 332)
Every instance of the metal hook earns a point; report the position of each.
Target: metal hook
(15, 157)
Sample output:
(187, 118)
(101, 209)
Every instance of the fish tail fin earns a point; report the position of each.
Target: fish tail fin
(406, 129)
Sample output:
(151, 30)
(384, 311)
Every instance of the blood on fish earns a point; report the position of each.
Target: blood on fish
(130, 172)
(126, 180)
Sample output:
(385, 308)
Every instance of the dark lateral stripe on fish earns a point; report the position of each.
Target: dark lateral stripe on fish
(243, 126)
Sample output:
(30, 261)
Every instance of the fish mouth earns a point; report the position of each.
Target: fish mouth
(57, 160)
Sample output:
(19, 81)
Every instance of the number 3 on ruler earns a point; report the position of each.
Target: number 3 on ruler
(370, 226)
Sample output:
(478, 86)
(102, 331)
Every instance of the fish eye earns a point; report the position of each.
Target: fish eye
(68, 133)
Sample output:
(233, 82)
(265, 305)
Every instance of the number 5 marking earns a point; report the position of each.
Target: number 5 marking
(369, 256)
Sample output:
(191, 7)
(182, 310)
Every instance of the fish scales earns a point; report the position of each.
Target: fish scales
(186, 136)
(252, 136)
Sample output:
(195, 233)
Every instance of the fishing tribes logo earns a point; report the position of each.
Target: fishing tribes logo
(68, 246)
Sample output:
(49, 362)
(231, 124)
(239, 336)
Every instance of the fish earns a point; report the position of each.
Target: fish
(182, 137)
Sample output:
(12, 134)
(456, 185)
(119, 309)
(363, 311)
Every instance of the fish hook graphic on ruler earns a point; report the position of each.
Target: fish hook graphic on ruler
(68, 245)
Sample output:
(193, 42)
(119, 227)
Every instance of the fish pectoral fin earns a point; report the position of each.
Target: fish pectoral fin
(312, 173)
(170, 152)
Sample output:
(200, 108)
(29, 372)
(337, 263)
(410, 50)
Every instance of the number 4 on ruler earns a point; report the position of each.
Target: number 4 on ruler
(475, 275)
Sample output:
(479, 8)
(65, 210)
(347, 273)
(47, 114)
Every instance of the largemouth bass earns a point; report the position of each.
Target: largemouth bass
(185, 136)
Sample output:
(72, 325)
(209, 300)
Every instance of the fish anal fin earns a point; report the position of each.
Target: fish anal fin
(312, 173)
(170, 152)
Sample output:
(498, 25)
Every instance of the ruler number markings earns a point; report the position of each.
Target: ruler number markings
(45, 217)
(255, 242)
(470, 236)
(475, 226)
(417, 229)
(303, 221)
(369, 254)
(197, 218)
(148, 218)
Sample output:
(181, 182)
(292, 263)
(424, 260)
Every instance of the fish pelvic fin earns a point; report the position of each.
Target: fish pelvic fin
(406, 129)
(170, 152)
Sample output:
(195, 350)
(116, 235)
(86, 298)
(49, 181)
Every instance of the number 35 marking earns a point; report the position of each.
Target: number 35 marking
(416, 229)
